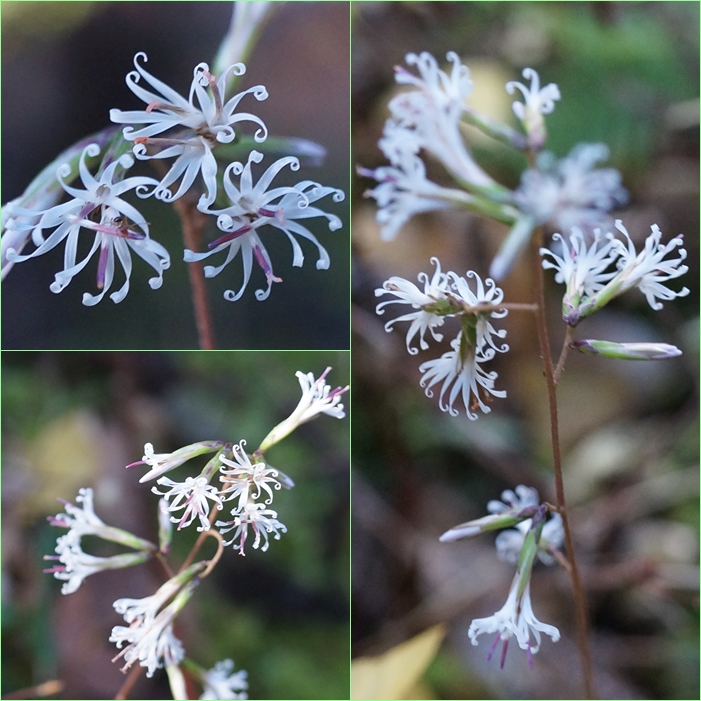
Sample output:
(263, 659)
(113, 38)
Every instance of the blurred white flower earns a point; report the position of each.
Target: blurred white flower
(404, 191)
(220, 683)
(570, 192)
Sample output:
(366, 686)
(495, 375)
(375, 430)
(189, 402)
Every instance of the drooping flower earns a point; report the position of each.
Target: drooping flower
(98, 208)
(514, 619)
(254, 206)
(517, 507)
(460, 370)
(192, 496)
(221, 683)
(422, 320)
(150, 634)
(195, 130)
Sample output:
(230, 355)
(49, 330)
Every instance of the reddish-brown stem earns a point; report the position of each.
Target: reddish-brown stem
(193, 222)
(200, 540)
(544, 344)
(563, 353)
(123, 693)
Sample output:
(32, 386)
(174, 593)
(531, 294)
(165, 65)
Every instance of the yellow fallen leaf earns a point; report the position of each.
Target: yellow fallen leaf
(394, 673)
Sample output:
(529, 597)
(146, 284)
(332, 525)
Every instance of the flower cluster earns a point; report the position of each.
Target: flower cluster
(532, 537)
(460, 369)
(594, 273)
(76, 564)
(248, 484)
(198, 136)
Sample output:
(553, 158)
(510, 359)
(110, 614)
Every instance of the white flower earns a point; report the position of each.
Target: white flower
(538, 100)
(405, 191)
(220, 683)
(647, 270)
(77, 565)
(152, 644)
(509, 543)
(317, 398)
(263, 522)
(515, 509)
(101, 209)
(197, 129)
(433, 113)
(192, 496)
(515, 500)
(571, 192)
(150, 634)
(461, 368)
(516, 618)
(84, 521)
(406, 292)
(246, 480)
(161, 463)
(253, 206)
(491, 295)
(581, 268)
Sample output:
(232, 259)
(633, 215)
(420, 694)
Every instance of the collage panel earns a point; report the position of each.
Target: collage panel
(166, 166)
(525, 487)
(190, 512)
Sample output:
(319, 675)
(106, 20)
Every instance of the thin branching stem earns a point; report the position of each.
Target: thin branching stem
(569, 334)
(578, 589)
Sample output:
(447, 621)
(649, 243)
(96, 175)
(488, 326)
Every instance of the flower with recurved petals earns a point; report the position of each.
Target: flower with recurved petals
(76, 565)
(254, 206)
(432, 114)
(514, 619)
(263, 522)
(404, 191)
(195, 130)
(247, 480)
(647, 270)
(317, 398)
(460, 370)
(538, 101)
(192, 496)
(98, 208)
(435, 290)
